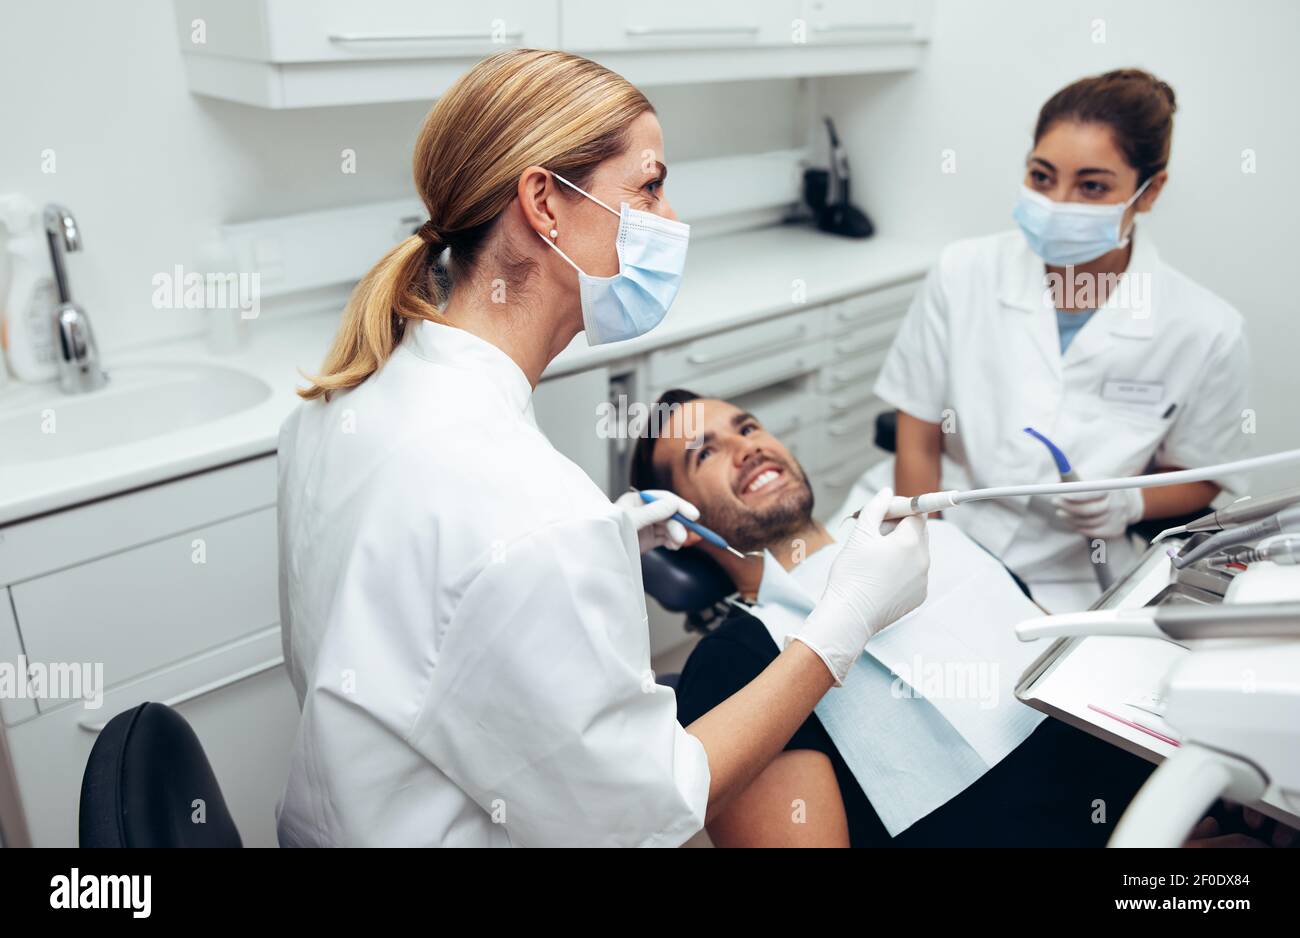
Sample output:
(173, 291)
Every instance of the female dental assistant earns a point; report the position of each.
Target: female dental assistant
(1074, 326)
(462, 608)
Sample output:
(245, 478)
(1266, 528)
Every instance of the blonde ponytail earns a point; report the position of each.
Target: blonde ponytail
(514, 109)
(398, 288)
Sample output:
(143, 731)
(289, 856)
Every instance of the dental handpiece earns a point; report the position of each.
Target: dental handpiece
(1286, 520)
(712, 537)
(1281, 549)
(1243, 510)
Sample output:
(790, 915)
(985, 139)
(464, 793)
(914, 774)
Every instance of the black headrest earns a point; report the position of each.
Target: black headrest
(684, 580)
(887, 430)
(145, 773)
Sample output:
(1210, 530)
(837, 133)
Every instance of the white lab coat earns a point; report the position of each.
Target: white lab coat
(465, 625)
(980, 350)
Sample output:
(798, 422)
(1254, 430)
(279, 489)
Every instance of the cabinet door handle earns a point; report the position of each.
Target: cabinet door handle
(862, 27)
(642, 32)
(697, 358)
(96, 726)
(423, 37)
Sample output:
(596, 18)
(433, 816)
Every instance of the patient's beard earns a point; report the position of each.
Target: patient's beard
(771, 527)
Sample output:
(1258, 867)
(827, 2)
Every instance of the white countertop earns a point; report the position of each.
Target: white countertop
(730, 279)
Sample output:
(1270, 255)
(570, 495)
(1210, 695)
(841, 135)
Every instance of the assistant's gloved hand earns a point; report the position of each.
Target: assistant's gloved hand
(653, 520)
(1101, 514)
(877, 579)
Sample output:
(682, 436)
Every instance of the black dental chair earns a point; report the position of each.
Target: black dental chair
(145, 773)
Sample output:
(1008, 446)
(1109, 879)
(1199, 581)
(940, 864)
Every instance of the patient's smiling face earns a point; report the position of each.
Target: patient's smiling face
(744, 481)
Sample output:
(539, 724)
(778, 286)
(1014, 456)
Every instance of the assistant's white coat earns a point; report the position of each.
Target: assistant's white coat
(979, 351)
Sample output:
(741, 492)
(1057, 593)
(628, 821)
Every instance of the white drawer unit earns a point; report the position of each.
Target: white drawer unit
(141, 609)
(170, 594)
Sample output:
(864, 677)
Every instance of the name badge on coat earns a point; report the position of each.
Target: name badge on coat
(1133, 392)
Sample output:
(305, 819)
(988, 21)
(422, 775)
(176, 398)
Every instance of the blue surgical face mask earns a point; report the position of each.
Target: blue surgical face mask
(651, 258)
(1066, 233)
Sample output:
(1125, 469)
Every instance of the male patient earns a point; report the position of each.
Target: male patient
(1059, 787)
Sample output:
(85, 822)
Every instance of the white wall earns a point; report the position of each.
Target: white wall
(149, 169)
(992, 63)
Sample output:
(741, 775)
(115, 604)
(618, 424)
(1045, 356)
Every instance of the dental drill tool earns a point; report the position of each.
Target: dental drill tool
(1239, 512)
(712, 537)
(1105, 579)
(1281, 549)
(902, 506)
(1285, 520)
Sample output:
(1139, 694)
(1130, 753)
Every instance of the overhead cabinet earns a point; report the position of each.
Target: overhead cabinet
(310, 53)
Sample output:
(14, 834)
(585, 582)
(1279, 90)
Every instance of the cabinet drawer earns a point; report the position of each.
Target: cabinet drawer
(853, 374)
(681, 364)
(783, 409)
(53, 542)
(806, 446)
(888, 303)
(849, 437)
(874, 335)
(241, 705)
(728, 383)
(344, 30)
(859, 399)
(623, 25)
(155, 605)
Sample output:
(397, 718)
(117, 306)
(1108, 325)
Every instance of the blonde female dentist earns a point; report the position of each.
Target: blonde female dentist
(1075, 326)
(462, 607)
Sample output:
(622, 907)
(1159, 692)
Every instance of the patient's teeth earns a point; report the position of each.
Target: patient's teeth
(762, 480)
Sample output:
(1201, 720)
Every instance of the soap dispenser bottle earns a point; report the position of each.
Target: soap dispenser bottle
(29, 336)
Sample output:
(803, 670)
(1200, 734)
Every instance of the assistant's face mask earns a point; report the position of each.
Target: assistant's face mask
(651, 258)
(1066, 233)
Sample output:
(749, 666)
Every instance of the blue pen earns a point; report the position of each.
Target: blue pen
(712, 537)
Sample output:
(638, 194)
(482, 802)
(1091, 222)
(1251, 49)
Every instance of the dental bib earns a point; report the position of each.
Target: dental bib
(913, 737)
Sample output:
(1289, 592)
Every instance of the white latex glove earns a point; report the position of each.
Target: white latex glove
(653, 520)
(876, 580)
(1101, 514)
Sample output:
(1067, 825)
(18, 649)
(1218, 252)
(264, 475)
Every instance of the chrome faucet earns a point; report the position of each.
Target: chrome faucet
(78, 355)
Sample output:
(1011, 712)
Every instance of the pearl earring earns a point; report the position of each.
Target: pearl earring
(554, 233)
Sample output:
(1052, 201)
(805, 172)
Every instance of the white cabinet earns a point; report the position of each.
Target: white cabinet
(171, 592)
(346, 31)
(310, 53)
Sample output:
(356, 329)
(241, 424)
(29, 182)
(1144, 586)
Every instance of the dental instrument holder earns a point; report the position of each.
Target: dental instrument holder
(827, 195)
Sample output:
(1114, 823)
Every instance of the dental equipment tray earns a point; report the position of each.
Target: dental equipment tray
(1108, 686)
